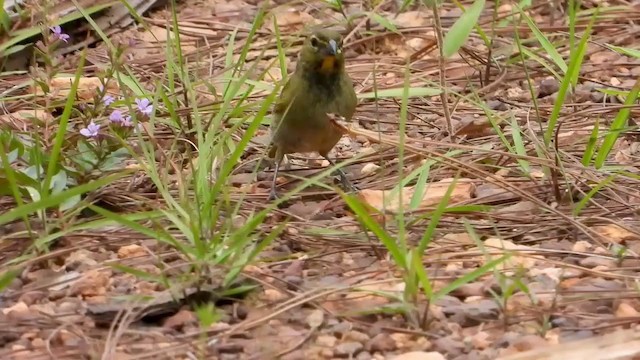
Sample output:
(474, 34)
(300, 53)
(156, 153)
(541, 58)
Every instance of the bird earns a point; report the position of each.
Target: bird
(318, 89)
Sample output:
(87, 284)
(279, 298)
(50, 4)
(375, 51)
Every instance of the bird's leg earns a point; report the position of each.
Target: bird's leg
(346, 184)
(273, 195)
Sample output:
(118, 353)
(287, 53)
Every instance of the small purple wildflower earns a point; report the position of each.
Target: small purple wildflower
(144, 106)
(108, 100)
(126, 122)
(58, 34)
(116, 117)
(91, 130)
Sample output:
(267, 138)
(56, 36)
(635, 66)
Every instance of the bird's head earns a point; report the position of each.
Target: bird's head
(322, 52)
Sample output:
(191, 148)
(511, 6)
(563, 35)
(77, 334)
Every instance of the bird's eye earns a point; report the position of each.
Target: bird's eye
(314, 41)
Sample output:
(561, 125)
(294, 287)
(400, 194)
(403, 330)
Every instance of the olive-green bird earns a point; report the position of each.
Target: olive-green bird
(318, 87)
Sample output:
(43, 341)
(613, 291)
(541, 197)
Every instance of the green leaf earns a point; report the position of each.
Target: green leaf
(7, 278)
(398, 92)
(383, 21)
(545, 43)
(617, 126)
(70, 202)
(58, 182)
(15, 49)
(625, 51)
(24, 34)
(5, 21)
(55, 199)
(59, 140)
(461, 30)
(336, 4)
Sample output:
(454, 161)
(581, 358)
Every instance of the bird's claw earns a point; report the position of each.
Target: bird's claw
(347, 186)
(273, 195)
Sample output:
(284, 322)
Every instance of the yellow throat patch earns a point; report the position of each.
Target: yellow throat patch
(328, 64)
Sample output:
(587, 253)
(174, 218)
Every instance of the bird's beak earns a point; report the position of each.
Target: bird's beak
(333, 47)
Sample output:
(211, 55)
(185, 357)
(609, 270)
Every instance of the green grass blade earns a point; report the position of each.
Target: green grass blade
(56, 199)
(62, 128)
(461, 29)
(545, 43)
(372, 225)
(617, 126)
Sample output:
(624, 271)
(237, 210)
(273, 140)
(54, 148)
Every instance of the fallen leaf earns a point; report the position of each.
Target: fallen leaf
(481, 340)
(369, 169)
(294, 269)
(625, 310)
(60, 88)
(92, 283)
(180, 319)
(521, 208)
(615, 233)
(474, 128)
(434, 193)
(494, 244)
(315, 319)
(21, 119)
(291, 18)
(130, 251)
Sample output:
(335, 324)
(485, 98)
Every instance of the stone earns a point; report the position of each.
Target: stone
(348, 349)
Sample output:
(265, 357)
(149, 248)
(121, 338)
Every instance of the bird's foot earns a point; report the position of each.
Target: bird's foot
(273, 195)
(347, 186)
(350, 188)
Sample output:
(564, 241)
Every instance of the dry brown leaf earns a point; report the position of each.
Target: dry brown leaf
(581, 246)
(494, 245)
(625, 310)
(474, 128)
(521, 208)
(604, 56)
(481, 340)
(60, 88)
(614, 233)
(434, 193)
(18, 308)
(315, 319)
(291, 18)
(273, 295)
(628, 153)
(180, 319)
(459, 238)
(21, 119)
(130, 251)
(92, 283)
(369, 169)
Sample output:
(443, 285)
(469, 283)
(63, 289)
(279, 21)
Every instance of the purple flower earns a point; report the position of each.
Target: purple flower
(126, 121)
(144, 106)
(108, 100)
(58, 34)
(116, 117)
(91, 130)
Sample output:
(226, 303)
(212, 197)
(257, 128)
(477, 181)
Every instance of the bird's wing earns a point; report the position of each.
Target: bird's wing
(286, 98)
(347, 104)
